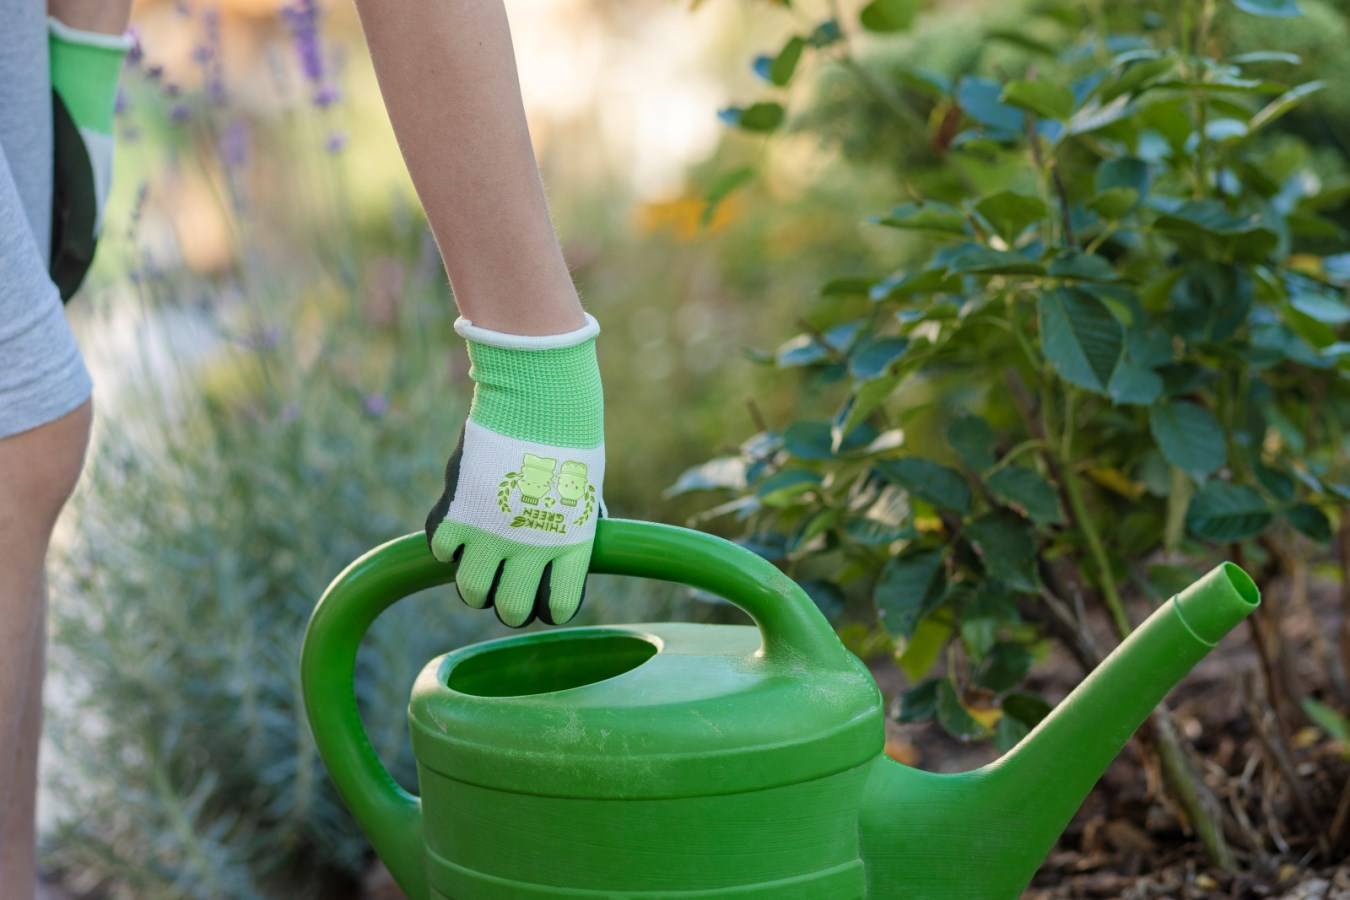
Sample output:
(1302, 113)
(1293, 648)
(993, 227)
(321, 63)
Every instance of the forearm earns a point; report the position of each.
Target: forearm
(103, 16)
(447, 71)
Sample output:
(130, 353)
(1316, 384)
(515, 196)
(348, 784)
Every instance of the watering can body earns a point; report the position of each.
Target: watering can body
(677, 760)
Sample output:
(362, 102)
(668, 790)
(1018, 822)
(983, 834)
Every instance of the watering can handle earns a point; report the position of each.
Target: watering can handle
(790, 624)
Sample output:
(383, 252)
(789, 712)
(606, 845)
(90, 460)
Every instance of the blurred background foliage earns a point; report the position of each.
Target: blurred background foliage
(278, 385)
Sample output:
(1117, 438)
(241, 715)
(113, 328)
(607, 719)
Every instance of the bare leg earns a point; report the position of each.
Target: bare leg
(38, 470)
(18, 846)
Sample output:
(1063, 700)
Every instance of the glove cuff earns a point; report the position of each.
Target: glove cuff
(477, 335)
(85, 66)
(542, 389)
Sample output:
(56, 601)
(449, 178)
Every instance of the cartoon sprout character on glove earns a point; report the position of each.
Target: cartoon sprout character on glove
(536, 477)
(535, 481)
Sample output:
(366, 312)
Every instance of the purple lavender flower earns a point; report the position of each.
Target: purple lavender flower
(326, 96)
(376, 404)
(303, 19)
(336, 143)
(208, 56)
(120, 103)
(179, 113)
(136, 52)
(234, 144)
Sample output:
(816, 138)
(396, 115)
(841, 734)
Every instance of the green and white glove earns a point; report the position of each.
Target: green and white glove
(84, 68)
(523, 488)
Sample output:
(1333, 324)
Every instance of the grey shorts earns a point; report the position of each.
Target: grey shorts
(42, 376)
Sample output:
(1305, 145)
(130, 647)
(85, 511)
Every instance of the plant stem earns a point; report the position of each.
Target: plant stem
(1073, 488)
(1183, 784)
(1186, 788)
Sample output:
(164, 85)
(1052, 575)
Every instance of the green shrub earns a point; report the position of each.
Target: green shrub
(1113, 346)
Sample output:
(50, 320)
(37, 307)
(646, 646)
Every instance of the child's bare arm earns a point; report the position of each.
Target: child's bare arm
(448, 74)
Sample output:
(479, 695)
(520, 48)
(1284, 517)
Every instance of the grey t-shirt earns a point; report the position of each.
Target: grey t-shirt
(42, 376)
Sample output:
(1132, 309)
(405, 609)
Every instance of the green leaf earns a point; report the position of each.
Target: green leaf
(979, 99)
(1336, 725)
(922, 650)
(1266, 56)
(1047, 99)
(1026, 708)
(1283, 104)
(1026, 489)
(722, 473)
(808, 440)
(1008, 732)
(1010, 213)
(938, 484)
(909, 586)
(825, 34)
(785, 63)
(868, 396)
(1189, 437)
(973, 440)
(1007, 547)
(847, 287)
(1213, 219)
(1210, 301)
(952, 715)
(874, 356)
(1072, 264)
(1122, 172)
(976, 259)
(1323, 306)
(758, 117)
(808, 349)
(1222, 511)
(1114, 203)
(1310, 520)
(1133, 384)
(828, 597)
(989, 607)
(871, 533)
(722, 187)
(925, 81)
(1282, 9)
(924, 281)
(931, 216)
(780, 488)
(1003, 668)
(919, 703)
(1022, 40)
(1276, 481)
(888, 15)
(1080, 337)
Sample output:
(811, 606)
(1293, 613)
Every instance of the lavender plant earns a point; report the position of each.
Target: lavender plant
(269, 423)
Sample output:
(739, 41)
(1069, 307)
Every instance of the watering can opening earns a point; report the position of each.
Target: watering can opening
(548, 662)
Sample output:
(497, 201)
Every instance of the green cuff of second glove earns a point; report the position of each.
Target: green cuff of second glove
(85, 67)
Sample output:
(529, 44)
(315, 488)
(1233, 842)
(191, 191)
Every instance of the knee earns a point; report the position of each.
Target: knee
(39, 469)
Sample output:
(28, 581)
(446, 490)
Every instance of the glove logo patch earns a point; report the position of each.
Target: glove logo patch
(541, 484)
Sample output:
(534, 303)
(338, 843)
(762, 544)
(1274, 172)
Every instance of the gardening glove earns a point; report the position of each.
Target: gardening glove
(84, 70)
(523, 488)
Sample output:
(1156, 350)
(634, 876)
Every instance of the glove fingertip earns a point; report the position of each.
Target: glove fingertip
(562, 590)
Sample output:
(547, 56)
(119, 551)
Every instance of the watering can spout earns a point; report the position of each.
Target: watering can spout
(1004, 818)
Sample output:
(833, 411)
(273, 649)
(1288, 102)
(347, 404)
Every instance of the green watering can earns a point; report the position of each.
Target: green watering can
(682, 761)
